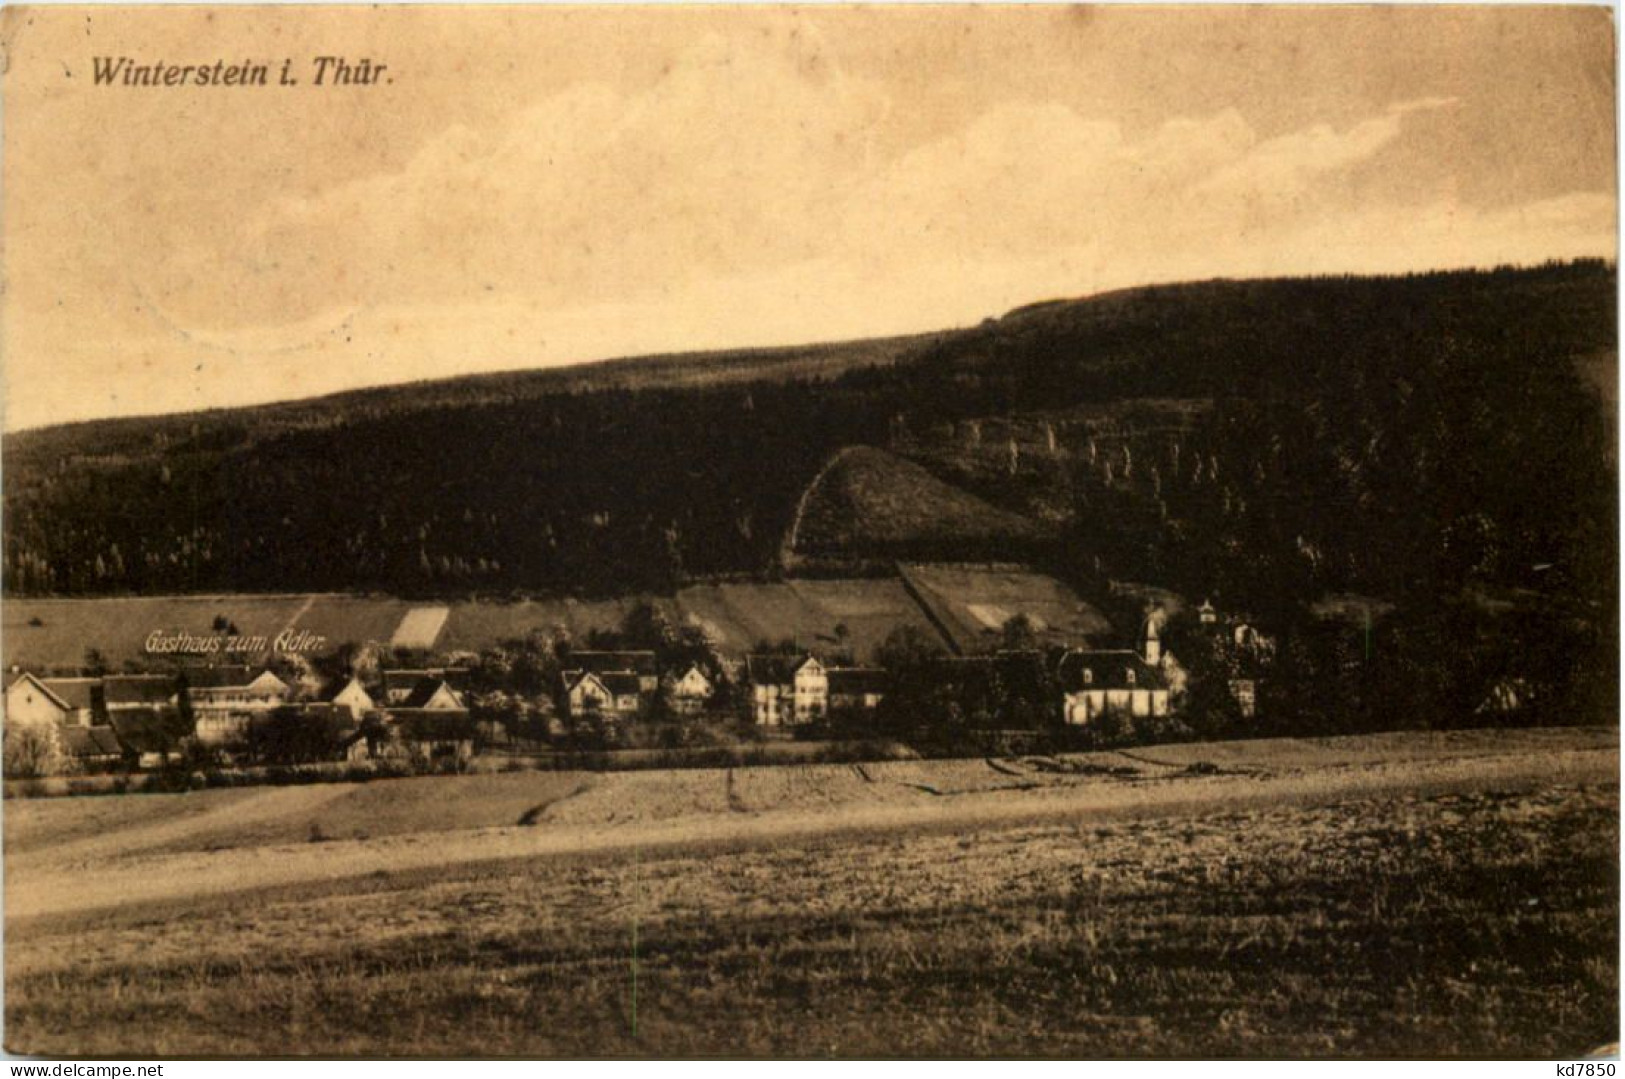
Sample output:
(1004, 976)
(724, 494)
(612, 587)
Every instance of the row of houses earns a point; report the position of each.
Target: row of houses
(786, 690)
(783, 690)
(147, 719)
(622, 684)
(791, 690)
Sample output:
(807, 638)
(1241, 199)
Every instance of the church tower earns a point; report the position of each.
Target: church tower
(1152, 648)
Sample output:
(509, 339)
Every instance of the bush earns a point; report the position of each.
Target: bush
(1155, 729)
(31, 752)
(361, 771)
(1111, 728)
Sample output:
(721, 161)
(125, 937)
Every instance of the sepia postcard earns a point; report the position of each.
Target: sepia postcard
(931, 531)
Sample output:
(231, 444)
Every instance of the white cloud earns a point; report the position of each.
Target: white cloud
(761, 196)
(1282, 167)
(742, 162)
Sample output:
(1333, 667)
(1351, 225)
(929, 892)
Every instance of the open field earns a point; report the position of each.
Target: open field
(49, 633)
(867, 503)
(809, 611)
(972, 604)
(475, 625)
(738, 615)
(1422, 895)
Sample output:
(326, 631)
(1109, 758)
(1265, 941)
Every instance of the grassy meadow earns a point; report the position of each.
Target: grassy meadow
(55, 634)
(868, 501)
(1366, 899)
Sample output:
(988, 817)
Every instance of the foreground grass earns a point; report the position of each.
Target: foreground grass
(1461, 925)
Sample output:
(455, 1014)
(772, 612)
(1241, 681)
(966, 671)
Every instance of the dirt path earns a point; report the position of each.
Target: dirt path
(304, 609)
(80, 884)
(788, 559)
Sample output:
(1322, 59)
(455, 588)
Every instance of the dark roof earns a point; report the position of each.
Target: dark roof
(642, 663)
(219, 677)
(324, 710)
(337, 686)
(1110, 670)
(955, 667)
(621, 683)
(216, 676)
(856, 681)
(773, 670)
(680, 671)
(428, 725)
(150, 730)
(423, 692)
(73, 692)
(90, 742)
(405, 677)
(138, 688)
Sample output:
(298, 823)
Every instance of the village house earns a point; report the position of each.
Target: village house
(430, 722)
(151, 736)
(641, 664)
(60, 702)
(68, 711)
(1246, 653)
(347, 699)
(429, 694)
(689, 690)
(787, 690)
(793, 690)
(1095, 682)
(226, 700)
(94, 749)
(856, 688)
(136, 692)
(145, 713)
(345, 706)
(1506, 694)
(1244, 691)
(613, 693)
(396, 684)
(429, 734)
(608, 683)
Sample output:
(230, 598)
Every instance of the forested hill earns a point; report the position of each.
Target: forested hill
(815, 361)
(1432, 418)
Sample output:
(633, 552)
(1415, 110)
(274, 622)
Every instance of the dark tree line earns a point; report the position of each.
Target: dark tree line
(1398, 435)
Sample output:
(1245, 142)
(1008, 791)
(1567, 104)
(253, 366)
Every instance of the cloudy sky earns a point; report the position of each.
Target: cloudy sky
(538, 187)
